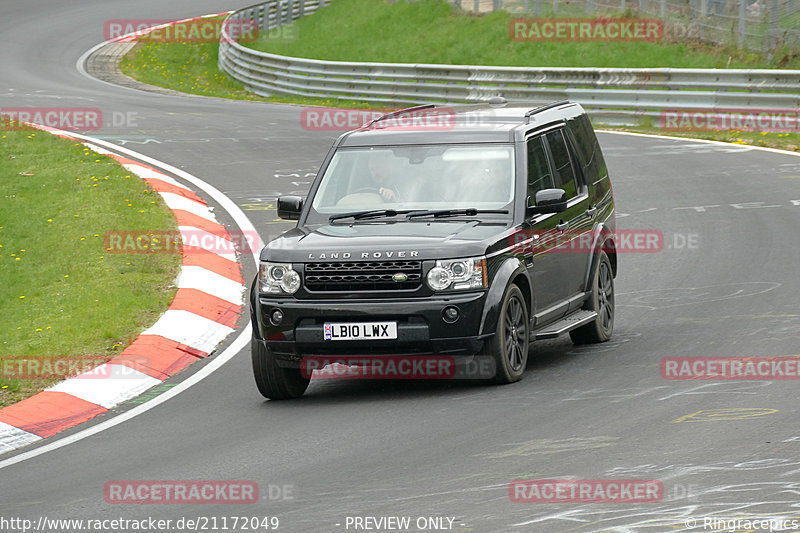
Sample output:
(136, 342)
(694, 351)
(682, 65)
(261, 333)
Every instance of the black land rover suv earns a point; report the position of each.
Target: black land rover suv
(476, 232)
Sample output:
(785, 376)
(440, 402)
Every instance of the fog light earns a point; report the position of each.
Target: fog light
(450, 314)
(276, 317)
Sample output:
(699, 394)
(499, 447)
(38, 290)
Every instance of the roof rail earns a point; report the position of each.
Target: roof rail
(400, 112)
(543, 108)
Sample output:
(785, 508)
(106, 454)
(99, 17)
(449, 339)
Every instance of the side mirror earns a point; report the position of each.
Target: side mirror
(289, 207)
(549, 201)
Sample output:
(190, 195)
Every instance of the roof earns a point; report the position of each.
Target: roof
(458, 124)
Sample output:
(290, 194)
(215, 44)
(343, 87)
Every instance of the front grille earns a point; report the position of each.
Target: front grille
(366, 276)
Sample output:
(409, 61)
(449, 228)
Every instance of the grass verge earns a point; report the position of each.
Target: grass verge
(63, 295)
(431, 31)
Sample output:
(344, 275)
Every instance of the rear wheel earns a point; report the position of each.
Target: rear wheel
(602, 302)
(509, 346)
(273, 381)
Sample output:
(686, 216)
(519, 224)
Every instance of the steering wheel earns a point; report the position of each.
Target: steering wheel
(377, 190)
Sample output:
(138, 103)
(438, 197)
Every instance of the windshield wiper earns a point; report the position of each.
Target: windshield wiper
(470, 212)
(372, 213)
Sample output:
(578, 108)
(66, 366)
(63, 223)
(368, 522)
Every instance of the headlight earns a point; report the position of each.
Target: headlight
(278, 278)
(458, 274)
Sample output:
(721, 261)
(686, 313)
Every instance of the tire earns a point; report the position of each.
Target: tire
(510, 343)
(275, 382)
(601, 301)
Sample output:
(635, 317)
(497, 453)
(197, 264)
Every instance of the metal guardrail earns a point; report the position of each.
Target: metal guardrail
(609, 94)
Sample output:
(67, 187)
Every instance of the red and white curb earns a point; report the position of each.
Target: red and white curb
(203, 313)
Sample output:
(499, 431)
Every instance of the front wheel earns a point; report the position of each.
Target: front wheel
(273, 381)
(602, 302)
(509, 346)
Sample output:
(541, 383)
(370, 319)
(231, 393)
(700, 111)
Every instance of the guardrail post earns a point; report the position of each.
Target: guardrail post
(643, 6)
(537, 7)
(773, 24)
(555, 7)
(589, 9)
(742, 21)
(663, 12)
(477, 7)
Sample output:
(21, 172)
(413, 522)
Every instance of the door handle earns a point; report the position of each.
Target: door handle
(562, 226)
(591, 211)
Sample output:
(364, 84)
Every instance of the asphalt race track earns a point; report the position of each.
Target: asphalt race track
(724, 284)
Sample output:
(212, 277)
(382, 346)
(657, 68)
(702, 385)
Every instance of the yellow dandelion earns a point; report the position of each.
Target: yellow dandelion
(38, 329)
(21, 297)
(66, 275)
(49, 219)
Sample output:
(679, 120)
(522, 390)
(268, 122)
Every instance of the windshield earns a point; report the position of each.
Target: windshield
(417, 177)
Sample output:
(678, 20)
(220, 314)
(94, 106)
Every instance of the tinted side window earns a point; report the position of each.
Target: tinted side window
(563, 173)
(538, 169)
(594, 167)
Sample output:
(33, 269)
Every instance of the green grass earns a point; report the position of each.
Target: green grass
(430, 31)
(63, 294)
(186, 67)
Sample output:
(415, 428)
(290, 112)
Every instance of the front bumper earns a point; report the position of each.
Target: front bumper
(421, 328)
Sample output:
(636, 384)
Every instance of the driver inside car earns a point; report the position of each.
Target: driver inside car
(380, 180)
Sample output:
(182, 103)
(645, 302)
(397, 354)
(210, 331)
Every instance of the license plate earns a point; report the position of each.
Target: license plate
(360, 331)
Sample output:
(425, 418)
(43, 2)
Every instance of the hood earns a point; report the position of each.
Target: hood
(386, 240)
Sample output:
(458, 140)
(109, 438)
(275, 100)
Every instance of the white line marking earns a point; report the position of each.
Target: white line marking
(706, 141)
